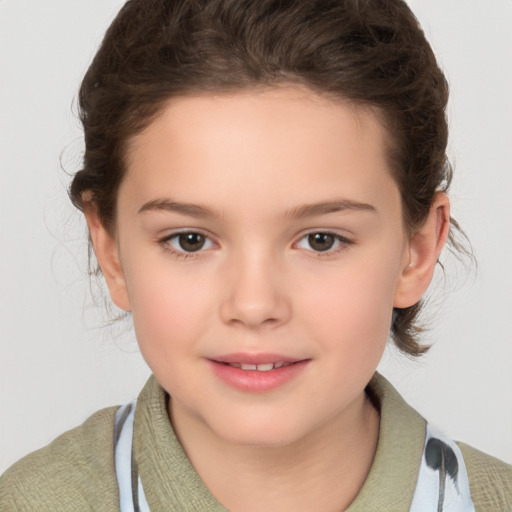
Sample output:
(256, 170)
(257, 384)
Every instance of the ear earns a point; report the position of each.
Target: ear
(424, 248)
(107, 254)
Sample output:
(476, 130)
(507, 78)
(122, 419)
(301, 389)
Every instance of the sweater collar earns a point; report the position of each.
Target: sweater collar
(170, 482)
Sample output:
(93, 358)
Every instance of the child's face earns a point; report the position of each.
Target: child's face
(295, 254)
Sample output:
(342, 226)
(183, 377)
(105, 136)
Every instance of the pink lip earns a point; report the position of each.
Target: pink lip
(254, 381)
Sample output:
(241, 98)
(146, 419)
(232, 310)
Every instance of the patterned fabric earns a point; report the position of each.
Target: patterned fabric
(131, 493)
(443, 483)
(442, 486)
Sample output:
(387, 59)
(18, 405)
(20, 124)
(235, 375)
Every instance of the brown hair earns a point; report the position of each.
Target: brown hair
(372, 52)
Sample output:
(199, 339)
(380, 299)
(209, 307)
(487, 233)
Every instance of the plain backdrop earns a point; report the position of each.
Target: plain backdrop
(59, 363)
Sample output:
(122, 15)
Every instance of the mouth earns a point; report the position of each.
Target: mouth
(257, 373)
(262, 367)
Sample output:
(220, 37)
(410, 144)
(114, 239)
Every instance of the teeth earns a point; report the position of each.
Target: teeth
(265, 367)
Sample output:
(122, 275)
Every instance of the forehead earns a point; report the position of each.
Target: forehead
(286, 142)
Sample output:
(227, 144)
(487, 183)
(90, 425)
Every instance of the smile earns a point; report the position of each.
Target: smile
(257, 373)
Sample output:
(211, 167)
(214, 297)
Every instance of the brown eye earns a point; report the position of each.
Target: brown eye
(321, 241)
(191, 242)
(187, 242)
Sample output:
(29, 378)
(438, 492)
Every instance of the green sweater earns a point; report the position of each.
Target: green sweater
(76, 471)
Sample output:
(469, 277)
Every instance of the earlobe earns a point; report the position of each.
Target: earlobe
(424, 249)
(107, 254)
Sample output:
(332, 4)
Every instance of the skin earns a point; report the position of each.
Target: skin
(253, 159)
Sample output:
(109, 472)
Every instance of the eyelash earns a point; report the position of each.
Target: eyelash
(182, 254)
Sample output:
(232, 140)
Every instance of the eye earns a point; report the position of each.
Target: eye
(189, 241)
(322, 242)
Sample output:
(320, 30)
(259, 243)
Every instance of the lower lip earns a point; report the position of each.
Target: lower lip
(253, 381)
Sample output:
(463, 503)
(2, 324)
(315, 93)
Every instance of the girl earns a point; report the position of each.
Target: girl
(265, 189)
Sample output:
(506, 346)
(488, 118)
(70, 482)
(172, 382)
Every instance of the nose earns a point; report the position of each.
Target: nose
(255, 294)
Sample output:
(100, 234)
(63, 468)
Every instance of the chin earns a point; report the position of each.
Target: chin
(263, 434)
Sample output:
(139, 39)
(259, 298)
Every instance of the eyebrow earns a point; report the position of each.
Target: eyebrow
(302, 211)
(340, 205)
(167, 205)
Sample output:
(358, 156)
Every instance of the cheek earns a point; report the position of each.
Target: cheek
(352, 306)
(169, 307)
(170, 317)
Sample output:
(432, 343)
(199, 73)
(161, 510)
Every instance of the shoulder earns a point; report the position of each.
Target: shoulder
(490, 480)
(74, 472)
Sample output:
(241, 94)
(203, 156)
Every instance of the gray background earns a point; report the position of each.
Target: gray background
(58, 364)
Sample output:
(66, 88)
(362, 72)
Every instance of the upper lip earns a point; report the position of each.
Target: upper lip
(262, 358)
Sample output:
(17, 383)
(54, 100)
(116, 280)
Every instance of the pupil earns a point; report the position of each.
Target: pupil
(191, 242)
(321, 241)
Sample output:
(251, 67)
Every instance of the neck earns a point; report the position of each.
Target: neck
(323, 471)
